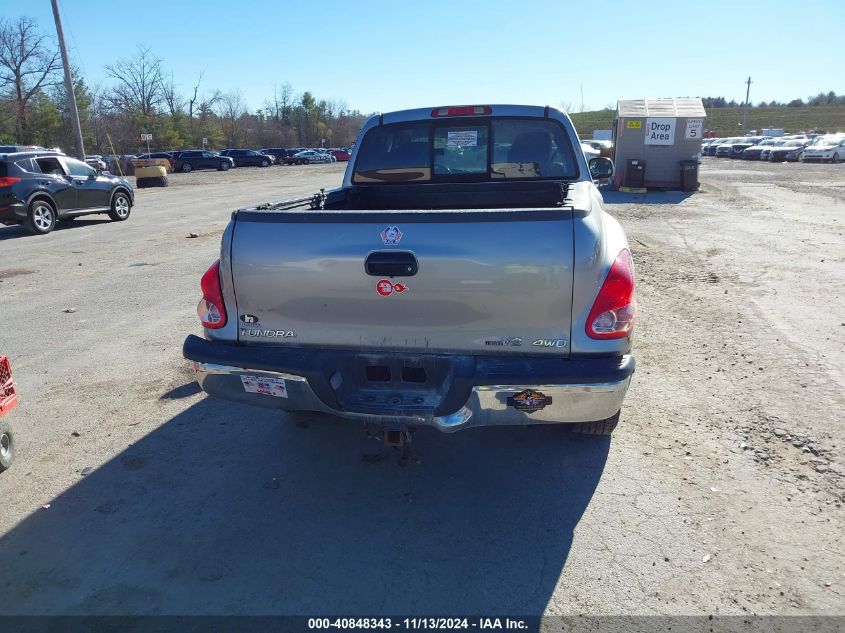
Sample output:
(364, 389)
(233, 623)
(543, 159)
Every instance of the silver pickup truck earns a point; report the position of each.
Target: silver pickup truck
(465, 274)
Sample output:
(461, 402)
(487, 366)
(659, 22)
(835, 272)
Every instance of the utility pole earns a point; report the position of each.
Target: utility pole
(744, 111)
(71, 96)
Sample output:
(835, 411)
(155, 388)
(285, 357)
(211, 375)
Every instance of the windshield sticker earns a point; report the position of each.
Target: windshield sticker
(385, 287)
(468, 138)
(265, 385)
(391, 236)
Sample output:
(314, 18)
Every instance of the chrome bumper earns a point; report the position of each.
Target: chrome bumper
(486, 406)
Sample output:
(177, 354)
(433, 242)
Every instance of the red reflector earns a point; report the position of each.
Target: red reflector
(461, 111)
(615, 308)
(8, 181)
(211, 309)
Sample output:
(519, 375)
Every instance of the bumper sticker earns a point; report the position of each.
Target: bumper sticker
(385, 287)
(529, 401)
(266, 386)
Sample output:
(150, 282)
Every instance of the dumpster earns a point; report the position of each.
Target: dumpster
(689, 175)
(634, 174)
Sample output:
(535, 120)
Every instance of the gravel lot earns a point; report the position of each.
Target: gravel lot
(720, 493)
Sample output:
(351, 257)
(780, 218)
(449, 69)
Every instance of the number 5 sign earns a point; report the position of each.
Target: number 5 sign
(694, 128)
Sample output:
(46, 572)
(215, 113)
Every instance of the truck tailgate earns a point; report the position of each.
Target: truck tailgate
(485, 280)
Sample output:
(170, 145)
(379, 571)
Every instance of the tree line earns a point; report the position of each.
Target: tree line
(141, 96)
(821, 99)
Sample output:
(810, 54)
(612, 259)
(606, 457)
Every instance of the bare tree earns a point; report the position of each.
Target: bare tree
(193, 99)
(230, 110)
(28, 63)
(171, 98)
(140, 83)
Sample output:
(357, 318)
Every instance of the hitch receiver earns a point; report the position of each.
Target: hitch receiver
(394, 437)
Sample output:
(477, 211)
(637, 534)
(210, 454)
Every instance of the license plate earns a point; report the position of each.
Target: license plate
(266, 386)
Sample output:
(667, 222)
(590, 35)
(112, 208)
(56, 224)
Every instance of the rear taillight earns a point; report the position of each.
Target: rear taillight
(8, 181)
(461, 111)
(211, 309)
(615, 308)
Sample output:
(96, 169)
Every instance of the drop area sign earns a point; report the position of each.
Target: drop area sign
(660, 131)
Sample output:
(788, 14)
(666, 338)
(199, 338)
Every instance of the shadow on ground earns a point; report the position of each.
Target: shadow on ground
(652, 197)
(226, 509)
(15, 231)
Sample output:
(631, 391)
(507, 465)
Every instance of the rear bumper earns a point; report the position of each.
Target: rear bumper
(463, 391)
(13, 212)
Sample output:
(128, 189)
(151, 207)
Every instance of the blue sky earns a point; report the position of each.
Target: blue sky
(382, 56)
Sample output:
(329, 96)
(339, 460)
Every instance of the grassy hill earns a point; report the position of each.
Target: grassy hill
(724, 120)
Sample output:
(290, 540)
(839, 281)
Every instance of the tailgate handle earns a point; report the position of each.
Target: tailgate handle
(391, 264)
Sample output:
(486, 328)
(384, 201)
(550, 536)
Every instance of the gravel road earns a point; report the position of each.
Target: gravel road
(720, 493)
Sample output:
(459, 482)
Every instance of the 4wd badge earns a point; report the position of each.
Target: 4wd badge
(391, 236)
(529, 401)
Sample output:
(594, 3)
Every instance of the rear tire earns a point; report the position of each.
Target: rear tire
(600, 427)
(187, 167)
(7, 446)
(40, 218)
(121, 207)
(306, 161)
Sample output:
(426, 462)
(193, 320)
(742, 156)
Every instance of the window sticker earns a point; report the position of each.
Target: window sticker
(467, 138)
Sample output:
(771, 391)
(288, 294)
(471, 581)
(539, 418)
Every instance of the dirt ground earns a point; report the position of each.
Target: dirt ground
(720, 493)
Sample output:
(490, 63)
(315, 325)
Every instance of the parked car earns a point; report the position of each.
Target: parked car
(738, 147)
(589, 151)
(604, 147)
(419, 318)
(827, 149)
(279, 153)
(341, 154)
(248, 157)
(37, 189)
(306, 157)
(96, 162)
(192, 159)
(755, 151)
(784, 150)
(724, 148)
(709, 147)
(164, 155)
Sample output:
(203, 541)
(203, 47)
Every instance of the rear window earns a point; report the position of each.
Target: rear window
(395, 153)
(24, 164)
(465, 150)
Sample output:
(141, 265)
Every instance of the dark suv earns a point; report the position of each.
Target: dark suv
(192, 159)
(247, 157)
(39, 188)
(279, 153)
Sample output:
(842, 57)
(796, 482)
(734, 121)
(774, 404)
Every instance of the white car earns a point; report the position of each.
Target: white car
(590, 152)
(328, 154)
(96, 161)
(825, 149)
(306, 157)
